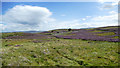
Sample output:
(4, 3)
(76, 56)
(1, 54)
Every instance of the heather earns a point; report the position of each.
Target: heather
(62, 47)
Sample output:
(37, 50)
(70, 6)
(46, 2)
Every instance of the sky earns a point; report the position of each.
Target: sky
(44, 16)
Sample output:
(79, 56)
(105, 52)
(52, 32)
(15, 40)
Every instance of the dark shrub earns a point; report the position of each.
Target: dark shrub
(52, 31)
(69, 29)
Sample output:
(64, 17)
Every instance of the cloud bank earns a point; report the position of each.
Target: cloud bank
(99, 21)
(29, 17)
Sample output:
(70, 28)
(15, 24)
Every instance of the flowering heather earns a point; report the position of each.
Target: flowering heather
(61, 47)
(101, 35)
(96, 34)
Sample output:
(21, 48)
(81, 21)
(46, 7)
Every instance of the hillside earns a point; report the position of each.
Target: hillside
(60, 47)
(96, 34)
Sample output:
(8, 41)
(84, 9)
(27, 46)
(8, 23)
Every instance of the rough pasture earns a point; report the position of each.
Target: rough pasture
(77, 47)
(58, 52)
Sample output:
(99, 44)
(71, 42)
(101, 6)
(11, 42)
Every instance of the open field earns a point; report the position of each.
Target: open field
(77, 47)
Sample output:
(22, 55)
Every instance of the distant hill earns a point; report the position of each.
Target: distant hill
(25, 31)
(32, 31)
(109, 33)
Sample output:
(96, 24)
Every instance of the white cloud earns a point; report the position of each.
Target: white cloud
(25, 17)
(115, 3)
(63, 24)
(99, 21)
(108, 4)
(112, 12)
(83, 19)
(102, 1)
(2, 27)
(86, 18)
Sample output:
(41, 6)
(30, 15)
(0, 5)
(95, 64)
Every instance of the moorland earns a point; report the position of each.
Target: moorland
(62, 47)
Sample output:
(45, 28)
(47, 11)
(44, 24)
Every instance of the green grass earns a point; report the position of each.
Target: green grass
(11, 34)
(116, 37)
(96, 31)
(110, 27)
(59, 52)
(69, 33)
(106, 34)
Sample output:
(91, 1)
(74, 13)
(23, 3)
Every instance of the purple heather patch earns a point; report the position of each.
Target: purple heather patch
(18, 45)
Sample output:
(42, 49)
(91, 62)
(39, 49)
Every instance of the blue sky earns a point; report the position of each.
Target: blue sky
(60, 15)
(72, 10)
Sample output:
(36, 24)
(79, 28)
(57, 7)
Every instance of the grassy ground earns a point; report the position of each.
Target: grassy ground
(58, 52)
(106, 34)
(44, 49)
(11, 34)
